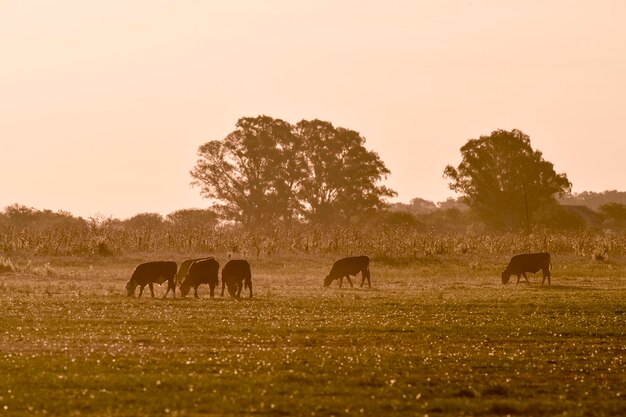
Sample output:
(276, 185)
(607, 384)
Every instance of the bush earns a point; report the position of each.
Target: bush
(558, 217)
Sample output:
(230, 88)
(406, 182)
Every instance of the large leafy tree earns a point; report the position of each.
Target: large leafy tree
(268, 171)
(342, 175)
(253, 173)
(504, 180)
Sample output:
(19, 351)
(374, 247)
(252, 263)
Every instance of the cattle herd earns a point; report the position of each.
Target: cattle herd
(192, 273)
(236, 274)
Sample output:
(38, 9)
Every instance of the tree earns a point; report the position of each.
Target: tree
(615, 213)
(594, 200)
(342, 175)
(504, 180)
(153, 221)
(253, 173)
(268, 171)
(188, 219)
(558, 217)
(452, 203)
(20, 216)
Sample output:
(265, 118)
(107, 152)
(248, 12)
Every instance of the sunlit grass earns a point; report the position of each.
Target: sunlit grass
(434, 337)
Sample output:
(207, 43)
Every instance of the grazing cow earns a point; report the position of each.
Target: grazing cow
(184, 269)
(528, 262)
(150, 273)
(349, 266)
(203, 271)
(235, 274)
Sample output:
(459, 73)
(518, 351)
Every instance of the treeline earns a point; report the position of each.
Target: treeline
(595, 200)
(390, 234)
(270, 172)
(43, 232)
(585, 211)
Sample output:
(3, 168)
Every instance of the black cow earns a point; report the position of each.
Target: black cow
(235, 274)
(150, 273)
(528, 262)
(203, 271)
(183, 270)
(349, 266)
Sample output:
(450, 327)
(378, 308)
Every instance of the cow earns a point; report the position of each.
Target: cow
(235, 275)
(184, 269)
(349, 266)
(150, 273)
(528, 262)
(203, 271)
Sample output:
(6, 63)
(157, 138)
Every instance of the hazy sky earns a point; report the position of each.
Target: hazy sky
(104, 104)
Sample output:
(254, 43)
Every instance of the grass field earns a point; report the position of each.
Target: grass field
(436, 336)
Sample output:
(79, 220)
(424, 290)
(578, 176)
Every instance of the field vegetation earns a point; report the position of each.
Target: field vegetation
(436, 335)
(70, 236)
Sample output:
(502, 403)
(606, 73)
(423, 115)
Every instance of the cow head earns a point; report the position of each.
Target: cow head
(184, 288)
(328, 280)
(506, 276)
(130, 288)
(233, 287)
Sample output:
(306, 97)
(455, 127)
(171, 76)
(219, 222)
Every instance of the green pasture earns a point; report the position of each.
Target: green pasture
(434, 336)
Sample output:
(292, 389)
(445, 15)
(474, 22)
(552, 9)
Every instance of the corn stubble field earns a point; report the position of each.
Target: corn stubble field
(435, 335)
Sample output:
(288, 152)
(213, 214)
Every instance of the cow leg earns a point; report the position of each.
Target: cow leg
(350, 281)
(239, 287)
(365, 275)
(223, 285)
(546, 274)
(250, 287)
(195, 292)
(525, 277)
(151, 285)
(340, 282)
(212, 289)
(518, 278)
(170, 286)
(141, 290)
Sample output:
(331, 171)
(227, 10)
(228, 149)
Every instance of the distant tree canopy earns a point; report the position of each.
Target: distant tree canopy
(417, 206)
(21, 216)
(192, 218)
(594, 200)
(503, 179)
(145, 220)
(267, 171)
(615, 214)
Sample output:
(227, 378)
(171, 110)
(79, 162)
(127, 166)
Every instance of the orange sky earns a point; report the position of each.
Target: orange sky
(103, 104)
